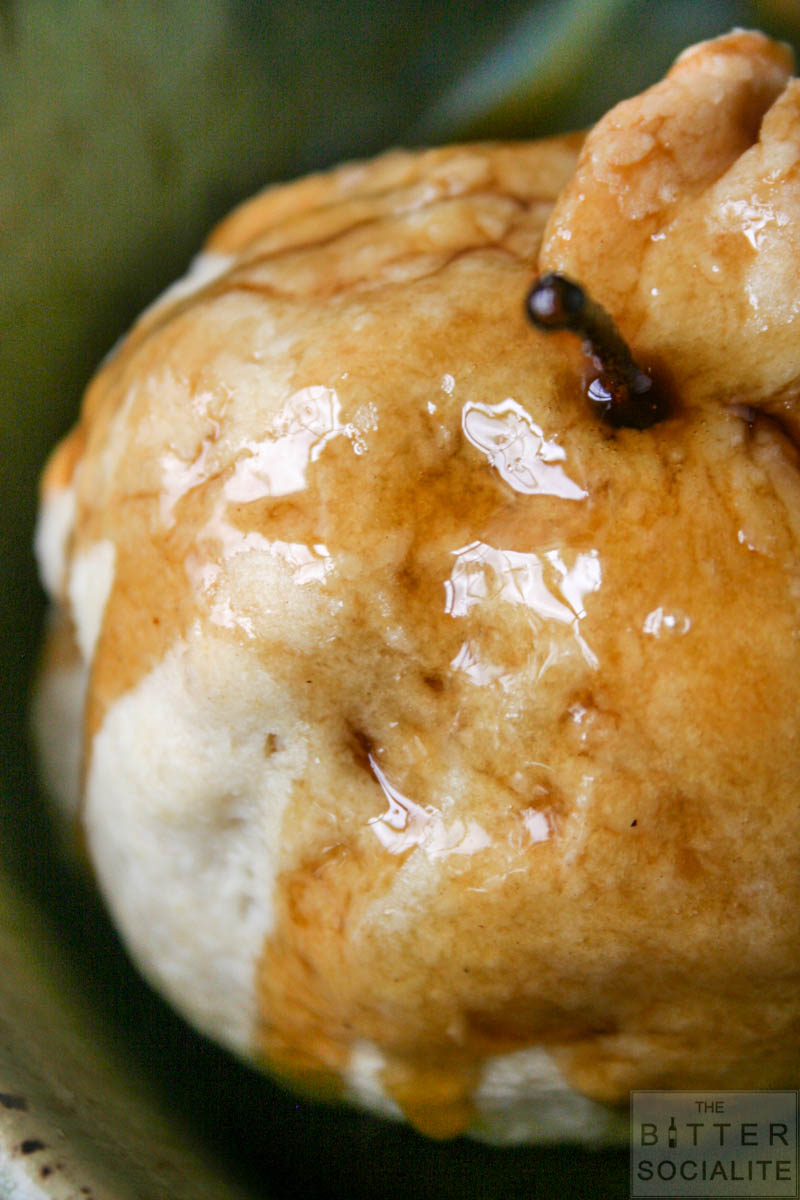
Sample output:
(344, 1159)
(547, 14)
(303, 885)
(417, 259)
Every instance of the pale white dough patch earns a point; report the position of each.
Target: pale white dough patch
(522, 1097)
(58, 726)
(53, 529)
(90, 580)
(363, 1084)
(204, 268)
(189, 777)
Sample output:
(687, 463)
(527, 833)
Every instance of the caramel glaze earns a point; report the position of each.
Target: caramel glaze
(550, 796)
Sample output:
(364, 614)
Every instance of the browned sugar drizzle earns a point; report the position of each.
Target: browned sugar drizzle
(318, 987)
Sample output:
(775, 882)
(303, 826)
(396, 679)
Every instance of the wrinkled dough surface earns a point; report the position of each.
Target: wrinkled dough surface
(682, 219)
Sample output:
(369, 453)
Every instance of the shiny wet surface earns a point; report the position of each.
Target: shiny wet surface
(525, 645)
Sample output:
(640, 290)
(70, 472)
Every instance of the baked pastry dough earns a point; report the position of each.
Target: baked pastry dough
(441, 744)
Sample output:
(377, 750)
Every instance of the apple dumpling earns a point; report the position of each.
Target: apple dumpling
(436, 738)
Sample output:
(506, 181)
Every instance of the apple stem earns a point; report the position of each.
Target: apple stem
(620, 391)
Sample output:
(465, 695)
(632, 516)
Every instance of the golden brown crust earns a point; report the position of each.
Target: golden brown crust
(546, 676)
(133, 408)
(311, 209)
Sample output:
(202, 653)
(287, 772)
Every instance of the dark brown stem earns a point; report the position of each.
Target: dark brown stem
(621, 391)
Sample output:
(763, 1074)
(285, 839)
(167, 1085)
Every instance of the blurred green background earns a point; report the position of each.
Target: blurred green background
(126, 129)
